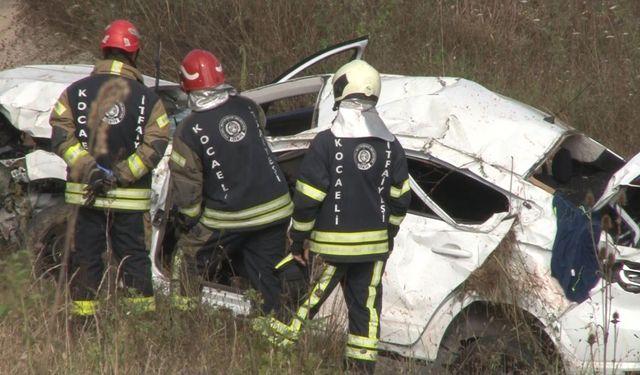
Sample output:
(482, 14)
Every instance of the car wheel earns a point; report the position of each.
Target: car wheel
(494, 345)
(47, 232)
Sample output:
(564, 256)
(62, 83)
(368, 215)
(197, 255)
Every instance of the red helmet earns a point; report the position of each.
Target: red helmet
(200, 70)
(121, 34)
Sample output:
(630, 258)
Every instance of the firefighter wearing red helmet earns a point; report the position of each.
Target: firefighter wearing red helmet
(111, 130)
(233, 199)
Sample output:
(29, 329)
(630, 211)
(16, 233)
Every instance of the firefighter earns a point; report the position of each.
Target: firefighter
(111, 130)
(231, 195)
(351, 195)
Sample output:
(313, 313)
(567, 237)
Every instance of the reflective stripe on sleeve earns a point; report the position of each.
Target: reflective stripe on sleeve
(310, 191)
(350, 237)
(163, 121)
(398, 192)
(192, 211)
(136, 165)
(73, 153)
(396, 220)
(59, 108)
(303, 226)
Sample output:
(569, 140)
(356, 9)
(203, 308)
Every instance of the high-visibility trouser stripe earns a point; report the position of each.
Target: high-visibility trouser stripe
(73, 153)
(114, 203)
(371, 299)
(140, 304)
(285, 260)
(136, 166)
(116, 67)
(360, 249)
(350, 237)
(267, 218)
(314, 297)
(283, 330)
(310, 191)
(303, 226)
(251, 212)
(397, 192)
(84, 308)
(396, 220)
(192, 211)
(184, 303)
(126, 193)
(362, 342)
(361, 354)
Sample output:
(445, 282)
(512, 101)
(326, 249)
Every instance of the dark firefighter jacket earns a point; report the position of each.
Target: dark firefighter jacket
(351, 196)
(221, 162)
(110, 118)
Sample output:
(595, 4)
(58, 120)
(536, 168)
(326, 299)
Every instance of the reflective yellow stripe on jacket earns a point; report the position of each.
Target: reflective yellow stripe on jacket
(350, 243)
(269, 212)
(397, 192)
(73, 153)
(120, 198)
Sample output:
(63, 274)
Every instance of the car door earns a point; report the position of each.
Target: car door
(455, 222)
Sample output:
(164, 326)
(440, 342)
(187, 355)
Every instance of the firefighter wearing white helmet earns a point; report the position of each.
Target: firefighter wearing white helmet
(351, 195)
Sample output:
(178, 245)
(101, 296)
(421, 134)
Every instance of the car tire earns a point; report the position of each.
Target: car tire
(498, 346)
(47, 234)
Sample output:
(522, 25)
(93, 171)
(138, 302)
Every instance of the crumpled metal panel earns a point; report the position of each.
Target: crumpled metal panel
(462, 115)
(42, 164)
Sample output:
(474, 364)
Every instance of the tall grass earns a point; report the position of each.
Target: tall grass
(577, 59)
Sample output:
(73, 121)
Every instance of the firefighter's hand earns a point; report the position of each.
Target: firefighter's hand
(101, 180)
(300, 252)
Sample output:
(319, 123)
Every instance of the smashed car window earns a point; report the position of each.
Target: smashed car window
(463, 198)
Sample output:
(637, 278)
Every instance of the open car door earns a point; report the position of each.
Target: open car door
(291, 102)
(355, 46)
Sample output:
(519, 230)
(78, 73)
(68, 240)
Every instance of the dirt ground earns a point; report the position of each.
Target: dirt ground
(25, 42)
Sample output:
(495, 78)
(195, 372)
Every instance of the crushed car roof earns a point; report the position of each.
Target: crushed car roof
(28, 93)
(462, 115)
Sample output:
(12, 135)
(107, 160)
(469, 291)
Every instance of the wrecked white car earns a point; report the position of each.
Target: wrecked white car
(470, 275)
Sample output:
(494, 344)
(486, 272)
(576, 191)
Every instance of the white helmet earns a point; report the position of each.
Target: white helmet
(356, 79)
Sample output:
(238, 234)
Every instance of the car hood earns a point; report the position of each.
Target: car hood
(462, 115)
(28, 93)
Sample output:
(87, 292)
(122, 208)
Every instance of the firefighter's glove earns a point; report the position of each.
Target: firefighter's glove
(101, 180)
(186, 223)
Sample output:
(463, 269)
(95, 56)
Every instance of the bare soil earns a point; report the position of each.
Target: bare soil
(25, 40)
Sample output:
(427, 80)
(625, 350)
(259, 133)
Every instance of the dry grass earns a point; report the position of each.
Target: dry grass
(37, 339)
(574, 58)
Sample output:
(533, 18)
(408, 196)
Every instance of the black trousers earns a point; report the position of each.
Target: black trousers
(126, 232)
(362, 289)
(261, 250)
